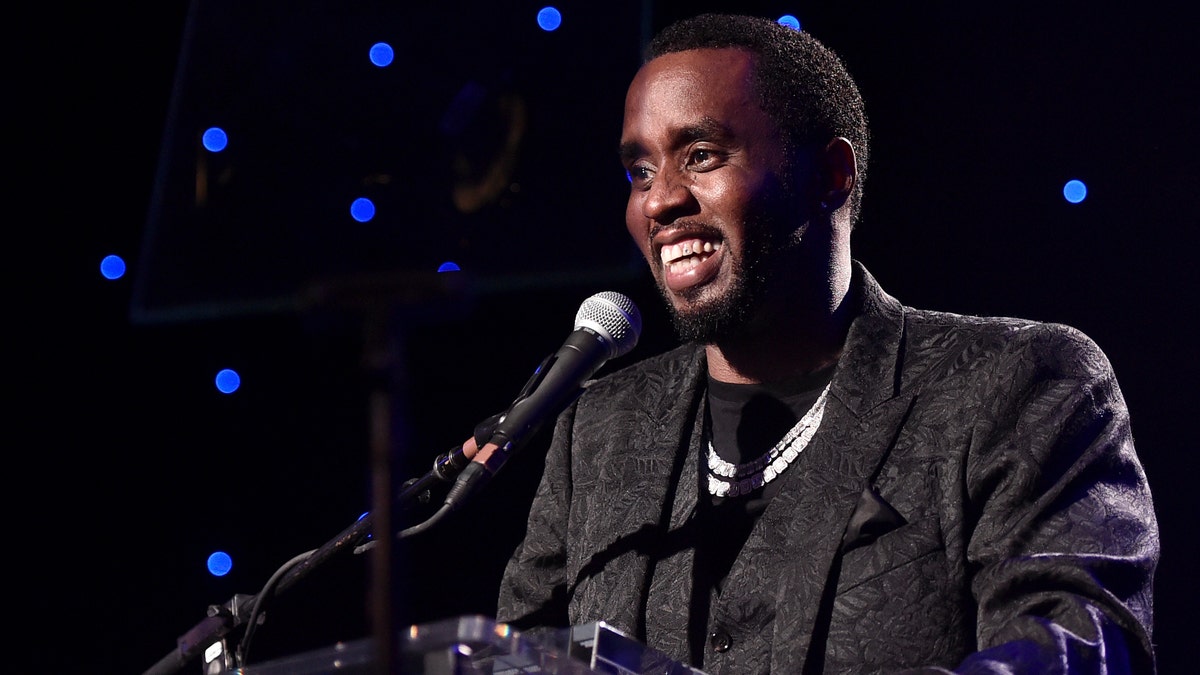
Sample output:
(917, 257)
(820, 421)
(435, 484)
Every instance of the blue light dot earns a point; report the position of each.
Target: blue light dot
(219, 564)
(215, 140)
(549, 19)
(112, 267)
(448, 267)
(1075, 191)
(228, 381)
(362, 209)
(789, 21)
(382, 54)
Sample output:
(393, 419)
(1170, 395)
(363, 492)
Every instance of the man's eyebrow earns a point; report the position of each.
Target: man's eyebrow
(628, 151)
(707, 128)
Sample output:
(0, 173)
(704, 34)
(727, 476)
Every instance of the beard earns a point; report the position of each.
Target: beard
(708, 320)
(752, 276)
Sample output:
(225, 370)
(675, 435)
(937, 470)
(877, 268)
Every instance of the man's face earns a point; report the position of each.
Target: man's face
(708, 204)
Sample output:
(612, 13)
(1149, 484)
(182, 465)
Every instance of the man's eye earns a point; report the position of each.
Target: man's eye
(703, 159)
(638, 175)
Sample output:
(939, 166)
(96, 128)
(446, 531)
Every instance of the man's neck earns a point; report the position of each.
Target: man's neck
(779, 359)
(786, 344)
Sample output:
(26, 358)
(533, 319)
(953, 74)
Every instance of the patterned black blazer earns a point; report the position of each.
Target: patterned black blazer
(972, 502)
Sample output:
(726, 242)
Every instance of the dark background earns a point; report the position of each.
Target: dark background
(128, 467)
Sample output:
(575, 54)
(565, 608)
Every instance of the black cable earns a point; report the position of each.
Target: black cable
(261, 601)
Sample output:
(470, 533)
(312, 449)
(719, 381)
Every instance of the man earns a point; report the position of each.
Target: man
(821, 479)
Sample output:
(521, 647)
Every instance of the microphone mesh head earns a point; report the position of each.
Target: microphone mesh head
(615, 317)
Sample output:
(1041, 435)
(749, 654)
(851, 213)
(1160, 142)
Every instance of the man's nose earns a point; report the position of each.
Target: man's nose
(670, 196)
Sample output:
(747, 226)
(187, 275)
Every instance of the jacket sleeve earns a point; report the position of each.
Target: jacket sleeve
(1065, 541)
(533, 589)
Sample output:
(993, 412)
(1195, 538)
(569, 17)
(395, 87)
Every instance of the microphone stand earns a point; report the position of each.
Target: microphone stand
(223, 619)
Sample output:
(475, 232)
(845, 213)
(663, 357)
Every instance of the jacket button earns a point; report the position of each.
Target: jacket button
(720, 641)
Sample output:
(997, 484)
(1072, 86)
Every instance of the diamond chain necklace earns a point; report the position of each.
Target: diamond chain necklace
(726, 479)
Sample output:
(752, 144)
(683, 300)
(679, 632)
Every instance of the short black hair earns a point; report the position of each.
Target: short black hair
(802, 85)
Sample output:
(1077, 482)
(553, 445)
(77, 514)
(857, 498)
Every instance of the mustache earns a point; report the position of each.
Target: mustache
(688, 226)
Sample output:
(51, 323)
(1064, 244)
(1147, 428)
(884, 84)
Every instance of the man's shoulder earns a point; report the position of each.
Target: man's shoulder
(680, 358)
(1060, 346)
(930, 331)
(651, 388)
(936, 321)
(663, 369)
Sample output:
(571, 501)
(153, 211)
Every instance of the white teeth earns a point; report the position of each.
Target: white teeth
(676, 252)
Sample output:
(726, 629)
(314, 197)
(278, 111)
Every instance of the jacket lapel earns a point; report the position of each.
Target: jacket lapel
(814, 508)
(822, 488)
(669, 439)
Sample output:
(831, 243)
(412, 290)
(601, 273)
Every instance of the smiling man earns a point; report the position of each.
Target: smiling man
(820, 478)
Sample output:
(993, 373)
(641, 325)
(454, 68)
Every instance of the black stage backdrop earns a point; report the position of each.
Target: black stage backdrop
(127, 468)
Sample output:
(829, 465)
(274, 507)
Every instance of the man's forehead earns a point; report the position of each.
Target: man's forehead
(693, 80)
(701, 64)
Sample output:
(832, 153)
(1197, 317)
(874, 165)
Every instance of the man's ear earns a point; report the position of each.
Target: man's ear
(839, 172)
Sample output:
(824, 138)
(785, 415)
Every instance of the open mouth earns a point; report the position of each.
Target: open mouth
(691, 262)
(687, 254)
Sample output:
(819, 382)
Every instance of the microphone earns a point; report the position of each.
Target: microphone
(607, 325)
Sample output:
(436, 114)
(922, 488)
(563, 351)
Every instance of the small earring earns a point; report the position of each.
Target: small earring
(824, 205)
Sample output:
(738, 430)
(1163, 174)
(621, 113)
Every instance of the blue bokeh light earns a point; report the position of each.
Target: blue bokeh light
(362, 209)
(382, 54)
(112, 267)
(215, 139)
(549, 19)
(1075, 191)
(228, 381)
(448, 267)
(219, 564)
(789, 21)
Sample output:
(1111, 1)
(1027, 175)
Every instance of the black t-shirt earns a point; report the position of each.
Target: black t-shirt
(745, 421)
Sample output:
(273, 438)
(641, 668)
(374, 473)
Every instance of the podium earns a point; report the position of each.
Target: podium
(470, 645)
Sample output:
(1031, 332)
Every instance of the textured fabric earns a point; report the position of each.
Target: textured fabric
(971, 503)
